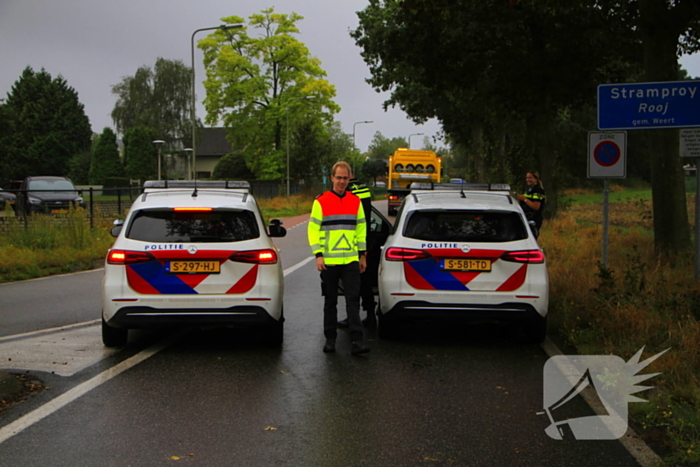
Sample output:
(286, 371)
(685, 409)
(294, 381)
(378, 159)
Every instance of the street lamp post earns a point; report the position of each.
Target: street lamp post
(159, 143)
(409, 138)
(223, 27)
(287, 111)
(188, 158)
(353, 141)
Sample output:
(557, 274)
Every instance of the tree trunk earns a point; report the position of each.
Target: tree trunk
(660, 40)
(478, 151)
(540, 139)
(501, 159)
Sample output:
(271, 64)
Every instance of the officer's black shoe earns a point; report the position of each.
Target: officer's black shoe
(358, 348)
(330, 346)
(371, 320)
(344, 323)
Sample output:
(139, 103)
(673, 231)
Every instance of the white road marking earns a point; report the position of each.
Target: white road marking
(300, 264)
(64, 399)
(48, 330)
(63, 351)
(67, 335)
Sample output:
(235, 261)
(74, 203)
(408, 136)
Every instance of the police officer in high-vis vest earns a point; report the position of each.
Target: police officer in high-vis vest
(368, 280)
(337, 235)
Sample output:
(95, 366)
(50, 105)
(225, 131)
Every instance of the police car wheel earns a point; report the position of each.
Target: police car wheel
(387, 327)
(536, 332)
(113, 337)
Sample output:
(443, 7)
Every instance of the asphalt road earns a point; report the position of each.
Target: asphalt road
(439, 396)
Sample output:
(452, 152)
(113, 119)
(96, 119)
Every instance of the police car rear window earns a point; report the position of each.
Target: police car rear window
(169, 226)
(465, 226)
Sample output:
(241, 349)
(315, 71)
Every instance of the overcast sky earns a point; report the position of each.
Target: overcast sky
(94, 43)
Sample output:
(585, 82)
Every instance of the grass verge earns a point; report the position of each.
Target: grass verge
(637, 301)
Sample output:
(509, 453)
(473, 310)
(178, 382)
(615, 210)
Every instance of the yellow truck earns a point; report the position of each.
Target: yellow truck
(407, 166)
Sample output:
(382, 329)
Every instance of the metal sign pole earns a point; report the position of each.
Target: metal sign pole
(604, 260)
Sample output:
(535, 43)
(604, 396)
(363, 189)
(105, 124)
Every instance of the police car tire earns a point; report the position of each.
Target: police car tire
(275, 332)
(537, 331)
(388, 328)
(113, 337)
(275, 335)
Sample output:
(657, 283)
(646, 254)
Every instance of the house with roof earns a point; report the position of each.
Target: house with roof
(210, 148)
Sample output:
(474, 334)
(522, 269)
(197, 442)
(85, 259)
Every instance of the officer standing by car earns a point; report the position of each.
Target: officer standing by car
(368, 280)
(533, 200)
(337, 235)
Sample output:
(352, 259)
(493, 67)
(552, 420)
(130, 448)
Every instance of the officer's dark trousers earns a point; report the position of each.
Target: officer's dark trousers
(350, 275)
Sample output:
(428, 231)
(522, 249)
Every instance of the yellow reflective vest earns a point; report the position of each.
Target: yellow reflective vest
(337, 228)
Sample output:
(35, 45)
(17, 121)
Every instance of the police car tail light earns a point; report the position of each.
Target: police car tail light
(266, 256)
(120, 257)
(406, 254)
(526, 256)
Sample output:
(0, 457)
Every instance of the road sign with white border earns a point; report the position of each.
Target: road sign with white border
(639, 106)
(607, 154)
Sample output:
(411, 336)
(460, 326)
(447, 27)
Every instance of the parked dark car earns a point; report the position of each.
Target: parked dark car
(7, 198)
(48, 195)
(13, 186)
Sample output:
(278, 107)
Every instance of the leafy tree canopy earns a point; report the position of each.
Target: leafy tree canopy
(232, 167)
(158, 98)
(382, 147)
(140, 154)
(47, 126)
(480, 66)
(258, 85)
(105, 159)
(373, 168)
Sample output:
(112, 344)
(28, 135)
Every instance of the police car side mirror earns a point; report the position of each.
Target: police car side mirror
(533, 228)
(118, 224)
(276, 229)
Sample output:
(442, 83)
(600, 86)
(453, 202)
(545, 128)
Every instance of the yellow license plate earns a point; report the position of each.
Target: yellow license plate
(467, 264)
(59, 211)
(193, 267)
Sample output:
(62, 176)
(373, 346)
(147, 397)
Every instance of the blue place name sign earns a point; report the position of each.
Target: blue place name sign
(640, 106)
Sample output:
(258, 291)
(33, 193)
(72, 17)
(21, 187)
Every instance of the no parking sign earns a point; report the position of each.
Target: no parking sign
(607, 154)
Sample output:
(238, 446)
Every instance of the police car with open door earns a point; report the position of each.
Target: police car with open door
(193, 253)
(464, 252)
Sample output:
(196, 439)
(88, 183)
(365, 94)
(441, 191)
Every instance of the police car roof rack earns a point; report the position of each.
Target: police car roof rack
(201, 184)
(427, 187)
(460, 186)
(151, 186)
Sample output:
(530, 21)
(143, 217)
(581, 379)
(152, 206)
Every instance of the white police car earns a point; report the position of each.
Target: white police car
(463, 252)
(192, 253)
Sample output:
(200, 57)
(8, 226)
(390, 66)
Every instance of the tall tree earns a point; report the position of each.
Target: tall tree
(232, 167)
(310, 152)
(105, 159)
(256, 86)
(158, 98)
(666, 29)
(373, 168)
(47, 126)
(6, 118)
(382, 147)
(477, 64)
(140, 153)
